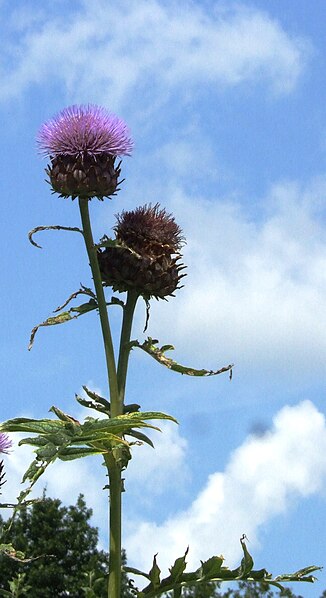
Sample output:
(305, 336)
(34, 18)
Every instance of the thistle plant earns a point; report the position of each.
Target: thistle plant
(142, 260)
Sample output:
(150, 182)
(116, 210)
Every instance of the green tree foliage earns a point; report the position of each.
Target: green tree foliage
(67, 546)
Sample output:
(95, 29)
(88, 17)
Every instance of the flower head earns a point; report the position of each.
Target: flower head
(82, 143)
(149, 229)
(80, 130)
(147, 257)
(5, 443)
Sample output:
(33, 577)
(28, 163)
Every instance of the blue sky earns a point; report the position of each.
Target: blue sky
(226, 106)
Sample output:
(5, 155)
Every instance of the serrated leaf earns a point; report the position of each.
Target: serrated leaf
(178, 567)
(91, 405)
(158, 353)
(34, 441)
(64, 316)
(47, 452)
(64, 416)
(71, 453)
(25, 424)
(34, 471)
(247, 562)
(301, 575)
(57, 439)
(212, 570)
(99, 436)
(98, 399)
(211, 567)
(145, 415)
(154, 574)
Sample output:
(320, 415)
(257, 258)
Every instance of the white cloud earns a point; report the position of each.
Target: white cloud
(150, 468)
(256, 287)
(109, 51)
(262, 479)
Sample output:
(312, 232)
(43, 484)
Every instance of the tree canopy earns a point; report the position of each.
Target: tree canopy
(65, 547)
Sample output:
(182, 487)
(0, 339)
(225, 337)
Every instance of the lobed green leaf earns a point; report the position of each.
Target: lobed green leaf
(214, 571)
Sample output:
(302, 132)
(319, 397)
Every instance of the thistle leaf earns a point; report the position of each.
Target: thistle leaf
(38, 426)
(70, 453)
(37, 229)
(82, 291)
(158, 353)
(141, 437)
(64, 316)
(178, 567)
(211, 567)
(212, 570)
(154, 574)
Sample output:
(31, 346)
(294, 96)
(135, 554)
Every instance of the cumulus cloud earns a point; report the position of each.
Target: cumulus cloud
(152, 47)
(256, 285)
(150, 468)
(263, 478)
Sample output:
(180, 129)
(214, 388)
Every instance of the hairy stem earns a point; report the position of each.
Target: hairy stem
(114, 470)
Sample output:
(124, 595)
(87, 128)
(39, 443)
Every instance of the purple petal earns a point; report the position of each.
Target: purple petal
(5, 443)
(86, 129)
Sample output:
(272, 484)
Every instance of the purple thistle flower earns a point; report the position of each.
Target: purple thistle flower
(80, 130)
(5, 443)
(82, 143)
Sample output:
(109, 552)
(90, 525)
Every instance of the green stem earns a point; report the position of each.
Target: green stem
(106, 332)
(114, 588)
(124, 351)
(114, 471)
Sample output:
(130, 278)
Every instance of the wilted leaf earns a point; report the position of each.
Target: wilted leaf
(158, 353)
(64, 416)
(301, 575)
(37, 229)
(82, 291)
(64, 316)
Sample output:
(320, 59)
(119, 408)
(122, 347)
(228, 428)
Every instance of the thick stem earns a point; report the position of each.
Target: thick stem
(124, 351)
(114, 471)
(114, 588)
(106, 332)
